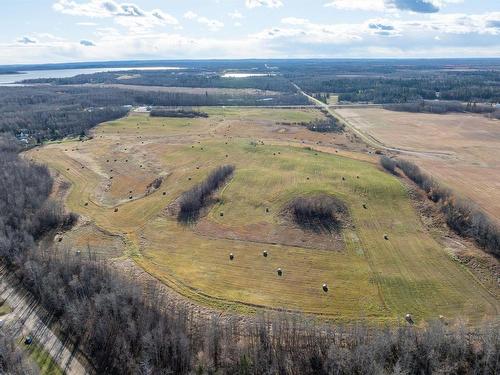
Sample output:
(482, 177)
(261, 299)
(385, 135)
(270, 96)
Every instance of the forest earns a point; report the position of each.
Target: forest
(49, 112)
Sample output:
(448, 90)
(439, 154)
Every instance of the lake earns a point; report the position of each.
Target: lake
(9, 79)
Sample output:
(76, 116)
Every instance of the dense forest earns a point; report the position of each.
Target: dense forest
(393, 81)
(49, 112)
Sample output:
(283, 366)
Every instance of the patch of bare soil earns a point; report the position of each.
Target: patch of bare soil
(485, 267)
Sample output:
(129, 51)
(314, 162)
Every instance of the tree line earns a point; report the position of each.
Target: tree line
(193, 200)
(461, 214)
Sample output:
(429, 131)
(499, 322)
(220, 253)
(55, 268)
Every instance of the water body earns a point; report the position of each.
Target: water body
(246, 75)
(11, 79)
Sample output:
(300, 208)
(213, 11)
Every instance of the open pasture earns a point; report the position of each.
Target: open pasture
(379, 267)
(461, 150)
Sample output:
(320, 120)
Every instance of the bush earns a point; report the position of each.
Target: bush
(388, 164)
(461, 215)
(318, 213)
(185, 113)
(329, 125)
(192, 201)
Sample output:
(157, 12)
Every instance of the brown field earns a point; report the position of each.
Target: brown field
(461, 150)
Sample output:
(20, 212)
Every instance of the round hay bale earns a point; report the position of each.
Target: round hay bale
(231, 256)
(221, 214)
(116, 209)
(83, 167)
(267, 209)
(189, 178)
(409, 318)
(130, 197)
(59, 239)
(78, 252)
(365, 206)
(357, 177)
(386, 237)
(107, 161)
(111, 178)
(164, 193)
(264, 253)
(67, 169)
(197, 167)
(325, 287)
(307, 178)
(130, 192)
(343, 178)
(279, 271)
(86, 204)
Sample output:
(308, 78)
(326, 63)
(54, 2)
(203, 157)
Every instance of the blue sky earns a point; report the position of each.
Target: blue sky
(40, 31)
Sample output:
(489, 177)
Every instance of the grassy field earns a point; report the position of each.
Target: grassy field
(368, 276)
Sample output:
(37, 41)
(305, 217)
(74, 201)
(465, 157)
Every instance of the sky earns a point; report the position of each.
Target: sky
(46, 31)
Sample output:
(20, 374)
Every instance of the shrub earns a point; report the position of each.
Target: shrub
(172, 112)
(461, 215)
(192, 201)
(388, 164)
(318, 213)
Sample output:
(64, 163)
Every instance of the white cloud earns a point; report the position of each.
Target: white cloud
(263, 3)
(236, 15)
(376, 5)
(417, 6)
(212, 25)
(125, 14)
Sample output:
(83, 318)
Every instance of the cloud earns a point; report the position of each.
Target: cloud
(27, 40)
(418, 6)
(493, 24)
(236, 15)
(213, 25)
(379, 26)
(376, 5)
(263, 3)
(86, 24)
(125, 14)
(87, 43)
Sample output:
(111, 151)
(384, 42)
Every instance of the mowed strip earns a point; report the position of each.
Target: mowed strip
(369, 277)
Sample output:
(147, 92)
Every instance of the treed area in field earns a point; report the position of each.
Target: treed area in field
(380, 265)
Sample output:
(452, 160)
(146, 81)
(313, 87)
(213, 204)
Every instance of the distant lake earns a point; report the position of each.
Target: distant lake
(9, 79)
(246, 75)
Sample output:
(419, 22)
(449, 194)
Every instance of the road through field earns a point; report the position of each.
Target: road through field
(369, 139)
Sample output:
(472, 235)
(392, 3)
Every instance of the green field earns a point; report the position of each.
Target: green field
(369, 277)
